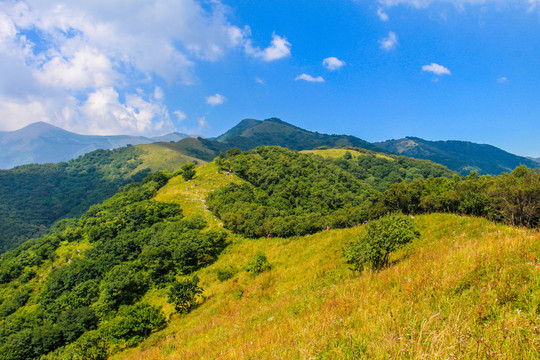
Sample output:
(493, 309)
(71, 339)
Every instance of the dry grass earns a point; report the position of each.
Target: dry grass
(337, 153)
(468, 289)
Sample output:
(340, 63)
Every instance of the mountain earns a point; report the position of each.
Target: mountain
(460, 156)
(157, 271)
(250, 133)
(44, 143)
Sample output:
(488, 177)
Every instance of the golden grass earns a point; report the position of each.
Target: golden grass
(337, 153)
(162, 156)
(191, 195)
(468, 289)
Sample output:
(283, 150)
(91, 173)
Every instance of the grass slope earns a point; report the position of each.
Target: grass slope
(467, 289)
(164, 156)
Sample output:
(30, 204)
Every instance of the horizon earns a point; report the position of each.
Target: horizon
(433, 69)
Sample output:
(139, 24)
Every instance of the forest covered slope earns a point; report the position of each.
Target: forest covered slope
(460, 156)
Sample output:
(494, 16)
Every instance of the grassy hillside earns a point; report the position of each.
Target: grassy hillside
(467, 289)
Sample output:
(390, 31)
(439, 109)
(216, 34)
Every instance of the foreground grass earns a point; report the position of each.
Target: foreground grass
(468, 289)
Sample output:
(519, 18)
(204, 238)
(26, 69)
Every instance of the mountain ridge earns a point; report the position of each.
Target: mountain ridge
(42, 142)
(458, 155)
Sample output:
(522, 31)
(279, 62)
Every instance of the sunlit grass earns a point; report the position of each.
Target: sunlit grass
(466, 289)
(191, 195)
(163, 156)
(337, 153)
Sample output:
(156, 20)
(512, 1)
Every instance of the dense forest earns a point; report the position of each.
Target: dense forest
(33, 197)
(289, 193)
(85, 302)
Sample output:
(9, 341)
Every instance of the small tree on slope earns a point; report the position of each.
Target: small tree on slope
(380, 238)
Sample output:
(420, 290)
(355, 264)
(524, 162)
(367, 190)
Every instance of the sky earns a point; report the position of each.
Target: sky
(381, 69)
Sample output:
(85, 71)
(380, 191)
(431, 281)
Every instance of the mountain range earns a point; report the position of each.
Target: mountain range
(460, 156)
(41, 142)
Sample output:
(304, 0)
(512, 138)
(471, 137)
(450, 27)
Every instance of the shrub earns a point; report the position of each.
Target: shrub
(380, 238)
(183, 294)
(258, 264)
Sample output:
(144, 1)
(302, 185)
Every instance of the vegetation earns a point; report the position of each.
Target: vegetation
(467, 288)
(183, 294)
(287, 193)
(460, 156)
(105, 284)
(258, 264)
(380, 238)
(33, 197)
(90, 275)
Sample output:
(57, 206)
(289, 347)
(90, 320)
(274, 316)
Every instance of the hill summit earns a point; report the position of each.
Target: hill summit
(250, 133)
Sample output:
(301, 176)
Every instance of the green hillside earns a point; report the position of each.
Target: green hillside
(250, 133)
(103, 285)
(460, 156)
(33, 197)
(466, 289)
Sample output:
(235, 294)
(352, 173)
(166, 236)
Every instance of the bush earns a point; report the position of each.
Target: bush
(380, 238)
(188, 171)
(258, 264)
(225, 273)
(183, 294)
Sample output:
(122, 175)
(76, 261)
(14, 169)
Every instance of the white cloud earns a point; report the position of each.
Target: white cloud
(383, 16)
(84, 59)
(258, 80)
(333, 63)
(309, 78)
(436, 69)
(158, 93)
(180, 115)
(202, 123)
(279, 48)
(215, 100)
(502, 80)
(86, 68)
(107, 115)
(390, 42)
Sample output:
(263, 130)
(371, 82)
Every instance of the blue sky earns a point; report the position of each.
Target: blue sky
(436, 69)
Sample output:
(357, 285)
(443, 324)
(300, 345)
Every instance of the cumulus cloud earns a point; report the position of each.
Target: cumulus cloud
(68, 62)
(180, 115)
(309, 78)
(137, 115)
(436, 69)
(279, 48)
(215, 100)
(383, 16)
(390, 42)
(333, 63)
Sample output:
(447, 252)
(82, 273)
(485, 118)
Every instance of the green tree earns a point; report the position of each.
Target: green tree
(380, 238)
(183, 294)
(188, 171)
(258, 264)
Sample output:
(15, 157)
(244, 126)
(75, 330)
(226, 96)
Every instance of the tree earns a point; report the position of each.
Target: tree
(188, 171)
(183, 294)
(380, 238)
(258, 264)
